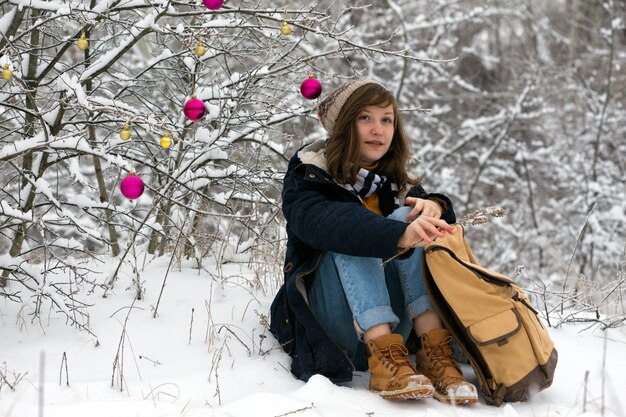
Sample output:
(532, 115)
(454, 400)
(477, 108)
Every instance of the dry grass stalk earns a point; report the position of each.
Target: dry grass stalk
(481, 216)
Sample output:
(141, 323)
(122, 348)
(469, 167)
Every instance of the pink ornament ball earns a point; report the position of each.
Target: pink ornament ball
(213, 4)
(132, 186)
(194, 109)
(311, 88)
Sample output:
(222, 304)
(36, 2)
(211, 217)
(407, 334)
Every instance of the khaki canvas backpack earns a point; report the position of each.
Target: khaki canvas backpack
(508, 347)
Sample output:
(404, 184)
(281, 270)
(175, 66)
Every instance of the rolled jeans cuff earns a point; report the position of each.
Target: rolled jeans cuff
(419, 306)
(375, 316)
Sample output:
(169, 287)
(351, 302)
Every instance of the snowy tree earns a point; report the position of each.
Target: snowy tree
(510, 104)
(91, 92)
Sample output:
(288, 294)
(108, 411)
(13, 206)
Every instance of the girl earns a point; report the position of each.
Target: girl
(349, 300)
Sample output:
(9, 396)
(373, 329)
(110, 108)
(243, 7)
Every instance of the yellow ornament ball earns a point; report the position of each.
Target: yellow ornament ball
(6, 73)
(82, 42)
(200, 49)
(166, 141)
(125, 133)
(285, 29)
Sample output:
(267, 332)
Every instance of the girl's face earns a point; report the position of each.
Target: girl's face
(375, 127)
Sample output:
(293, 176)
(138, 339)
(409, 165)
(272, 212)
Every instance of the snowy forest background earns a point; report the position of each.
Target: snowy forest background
(517, 105)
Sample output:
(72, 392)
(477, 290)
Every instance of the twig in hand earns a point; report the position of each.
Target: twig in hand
(479, 216)
(402, 252)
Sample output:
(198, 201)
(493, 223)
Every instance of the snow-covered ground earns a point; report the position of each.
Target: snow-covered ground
(226, 363)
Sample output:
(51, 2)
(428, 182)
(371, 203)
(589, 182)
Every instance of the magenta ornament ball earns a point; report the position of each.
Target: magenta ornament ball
(213, 4)
(194, 109)
(132, 186)
(311, 88)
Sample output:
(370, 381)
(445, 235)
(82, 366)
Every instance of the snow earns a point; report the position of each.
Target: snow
(164, 55)
(213, 111)
(75, 171)
(78, 143)
(5, 22)
(102, 5)
(207, 353)
(118, 104)
(72, 86)
(12, 149)
(69, 243)
(227, 363)
(7, 210)
(55, 6)
(83, 202)
(190, 62)
(105, 59)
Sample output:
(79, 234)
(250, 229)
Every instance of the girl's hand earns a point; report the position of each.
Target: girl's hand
(422, 207)
(423, 230)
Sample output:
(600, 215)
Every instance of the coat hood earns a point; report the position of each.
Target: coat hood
(314, 154)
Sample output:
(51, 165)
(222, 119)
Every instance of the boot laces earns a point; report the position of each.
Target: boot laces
(441, 358)
(395, 355)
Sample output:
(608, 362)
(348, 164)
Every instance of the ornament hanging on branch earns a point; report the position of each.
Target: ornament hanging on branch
(166, 141)
(311, 88)
(285, 29)
(82, 42)
(132, 186)
(200, 50)
(194, 109)
(213, 4)
(125, 133)
(7, 74)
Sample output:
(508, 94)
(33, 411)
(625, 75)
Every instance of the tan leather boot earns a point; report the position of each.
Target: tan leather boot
(391, 372)
(436, 361)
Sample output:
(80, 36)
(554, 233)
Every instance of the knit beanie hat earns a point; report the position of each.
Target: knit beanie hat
(329, 108)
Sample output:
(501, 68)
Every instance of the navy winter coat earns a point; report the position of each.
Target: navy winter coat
(323, 216)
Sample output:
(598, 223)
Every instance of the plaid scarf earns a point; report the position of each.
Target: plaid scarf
(368, 183)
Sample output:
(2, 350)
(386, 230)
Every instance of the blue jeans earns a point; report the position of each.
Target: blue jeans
(351, 294)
